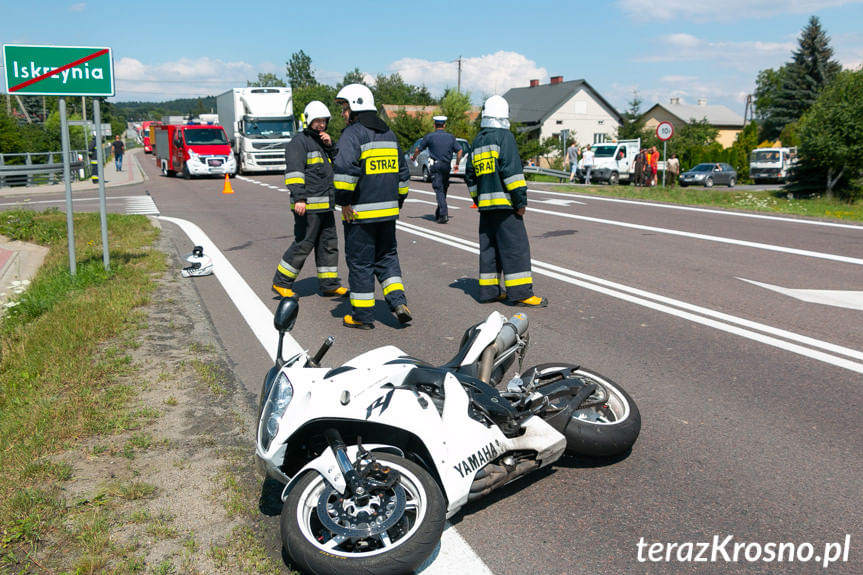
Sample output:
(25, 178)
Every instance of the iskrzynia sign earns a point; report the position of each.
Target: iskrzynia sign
(58, 70)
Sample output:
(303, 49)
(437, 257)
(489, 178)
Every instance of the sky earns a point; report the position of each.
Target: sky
(659, 49)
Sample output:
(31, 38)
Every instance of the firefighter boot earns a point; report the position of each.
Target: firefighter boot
(349, 321)
(533, 301)
(283, 291)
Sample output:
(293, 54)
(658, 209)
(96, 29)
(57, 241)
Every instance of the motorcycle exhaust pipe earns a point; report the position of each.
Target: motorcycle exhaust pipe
(509, 334)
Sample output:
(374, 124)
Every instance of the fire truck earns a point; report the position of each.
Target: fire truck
(194, 150)
(147, 135)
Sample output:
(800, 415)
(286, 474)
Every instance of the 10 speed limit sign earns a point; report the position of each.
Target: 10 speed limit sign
(664, 131)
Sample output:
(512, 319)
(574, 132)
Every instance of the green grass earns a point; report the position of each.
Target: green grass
(729, 198)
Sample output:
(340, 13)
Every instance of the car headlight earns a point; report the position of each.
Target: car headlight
(277, 402)
(193, 156)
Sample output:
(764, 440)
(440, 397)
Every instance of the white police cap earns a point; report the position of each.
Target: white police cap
(439, 119)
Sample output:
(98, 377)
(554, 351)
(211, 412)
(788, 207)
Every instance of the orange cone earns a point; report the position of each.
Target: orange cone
(227, 189)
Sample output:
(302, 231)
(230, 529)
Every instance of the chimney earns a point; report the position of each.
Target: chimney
(674, 101)
(702, 101)
(556, 79)
(534, 83)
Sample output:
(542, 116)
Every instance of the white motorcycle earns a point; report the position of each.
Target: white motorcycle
(377, 453)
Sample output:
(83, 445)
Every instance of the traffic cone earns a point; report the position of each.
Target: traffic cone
(227, 189)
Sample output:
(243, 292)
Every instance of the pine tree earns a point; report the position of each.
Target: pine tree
(810, 69)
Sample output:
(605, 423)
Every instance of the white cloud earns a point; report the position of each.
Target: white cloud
(481, 76)
(703, 11)
(183, 78)
(79, 7)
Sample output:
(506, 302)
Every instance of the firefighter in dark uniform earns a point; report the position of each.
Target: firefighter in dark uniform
(441, 146)
(309, 178)
(496, 183)
(371, 180)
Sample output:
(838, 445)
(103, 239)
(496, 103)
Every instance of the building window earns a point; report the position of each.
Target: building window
(599, 138)
(558, 122)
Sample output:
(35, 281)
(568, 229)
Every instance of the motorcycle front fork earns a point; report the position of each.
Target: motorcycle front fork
(361, 479)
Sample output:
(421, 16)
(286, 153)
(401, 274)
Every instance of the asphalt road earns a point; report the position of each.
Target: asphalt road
(750, 396)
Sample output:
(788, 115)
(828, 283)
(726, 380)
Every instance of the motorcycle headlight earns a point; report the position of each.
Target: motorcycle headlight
(277, 402)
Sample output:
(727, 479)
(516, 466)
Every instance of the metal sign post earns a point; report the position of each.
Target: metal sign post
(664, 131)
(64, 71)
(100, 156)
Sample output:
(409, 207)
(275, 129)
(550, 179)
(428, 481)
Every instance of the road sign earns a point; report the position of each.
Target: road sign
(664, 131)
(58, 70)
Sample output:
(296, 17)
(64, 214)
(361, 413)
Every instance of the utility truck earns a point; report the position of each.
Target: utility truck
(771, 164)
(259, 123)
(193, 150)
(613, 162)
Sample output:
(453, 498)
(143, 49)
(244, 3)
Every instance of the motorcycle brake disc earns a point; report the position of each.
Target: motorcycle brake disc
(341, 515)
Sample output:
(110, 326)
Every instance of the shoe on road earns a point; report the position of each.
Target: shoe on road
(533, 301)
(349, 321)
(403, 313)
(283, 291)
(339, 291)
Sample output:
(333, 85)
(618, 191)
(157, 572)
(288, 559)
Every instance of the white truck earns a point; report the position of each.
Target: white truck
(771, 164)
(259, 123)
(613, 162)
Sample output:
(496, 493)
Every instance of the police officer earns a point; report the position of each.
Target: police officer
(309, 178)
(371, 180)
(441, 146)
(496, 183)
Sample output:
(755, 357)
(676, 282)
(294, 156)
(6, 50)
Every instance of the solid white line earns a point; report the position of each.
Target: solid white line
(720, 321)
(704, 210)
(453, 555)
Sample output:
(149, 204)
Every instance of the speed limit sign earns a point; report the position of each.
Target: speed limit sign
(664, 131)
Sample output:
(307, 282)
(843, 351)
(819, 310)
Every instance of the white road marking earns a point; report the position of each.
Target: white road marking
(453, 555)
(837, 298)
(555, 202)
(143, 205)
(755, 331)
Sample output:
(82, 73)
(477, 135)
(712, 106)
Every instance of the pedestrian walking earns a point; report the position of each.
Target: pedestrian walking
(309, 178)
(587, 163)
(496, 183)
(441, 146)
(371, 180)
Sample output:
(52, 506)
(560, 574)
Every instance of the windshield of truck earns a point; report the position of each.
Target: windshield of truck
(206, 137)
(765, 156)
(281, 128)
(603, 151)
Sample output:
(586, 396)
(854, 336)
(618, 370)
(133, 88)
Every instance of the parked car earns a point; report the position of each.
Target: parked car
(708, 174)
(423, 164)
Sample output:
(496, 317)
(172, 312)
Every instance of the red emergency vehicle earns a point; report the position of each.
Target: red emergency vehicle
(194, 150)
(147, 135)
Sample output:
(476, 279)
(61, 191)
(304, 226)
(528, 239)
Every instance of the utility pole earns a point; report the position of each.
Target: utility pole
(459, 74)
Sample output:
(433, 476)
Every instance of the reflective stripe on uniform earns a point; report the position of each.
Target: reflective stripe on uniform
(519, 279)
(489, 279)
(318, 203)
(363, 299)
(513, 182)
(314, 157)
(486, 152)
(375, 210)
(287, 269)
(392, 284)
(403, 188)
(295, 178)
(494, 199)
(328, 272)
(345, 182)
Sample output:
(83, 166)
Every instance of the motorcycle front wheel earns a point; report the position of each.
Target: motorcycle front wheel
(606, 423)
(392, 533)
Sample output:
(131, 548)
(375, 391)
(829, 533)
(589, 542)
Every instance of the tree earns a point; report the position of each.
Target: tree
(392, 89)
(409, 128)
(352, 77)
(767, 86)
(632, 125)
(693, 143)
(455, 106)
(299, 71)
(831, 141)
(266, 79)
(747, 140)
(802, 79)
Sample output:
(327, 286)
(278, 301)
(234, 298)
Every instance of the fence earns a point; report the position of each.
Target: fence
(35, 168)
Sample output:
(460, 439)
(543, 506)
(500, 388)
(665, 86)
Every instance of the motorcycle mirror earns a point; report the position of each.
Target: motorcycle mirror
(286, 314)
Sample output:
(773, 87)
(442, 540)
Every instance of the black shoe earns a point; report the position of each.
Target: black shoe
(442, 220)
(403, 313)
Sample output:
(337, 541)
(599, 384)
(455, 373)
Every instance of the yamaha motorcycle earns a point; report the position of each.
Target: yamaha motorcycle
(377, 453)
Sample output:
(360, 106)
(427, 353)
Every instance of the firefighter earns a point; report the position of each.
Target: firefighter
(496, 183)
(309, 178)
(441, 146)
(371, 180)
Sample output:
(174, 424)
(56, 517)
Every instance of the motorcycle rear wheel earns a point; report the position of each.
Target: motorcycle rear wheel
(606, 423)
(409, 540)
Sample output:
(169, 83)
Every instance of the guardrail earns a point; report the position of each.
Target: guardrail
(35, 168)
(560, 174)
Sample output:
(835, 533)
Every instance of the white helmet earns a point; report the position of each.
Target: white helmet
(496, 107)
(314, 110)
(358, 97)
(199, 264)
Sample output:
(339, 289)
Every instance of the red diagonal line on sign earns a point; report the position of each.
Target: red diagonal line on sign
(58, 70)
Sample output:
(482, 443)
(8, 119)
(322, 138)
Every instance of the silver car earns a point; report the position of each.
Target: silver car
(422, 167)
(708, 174)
